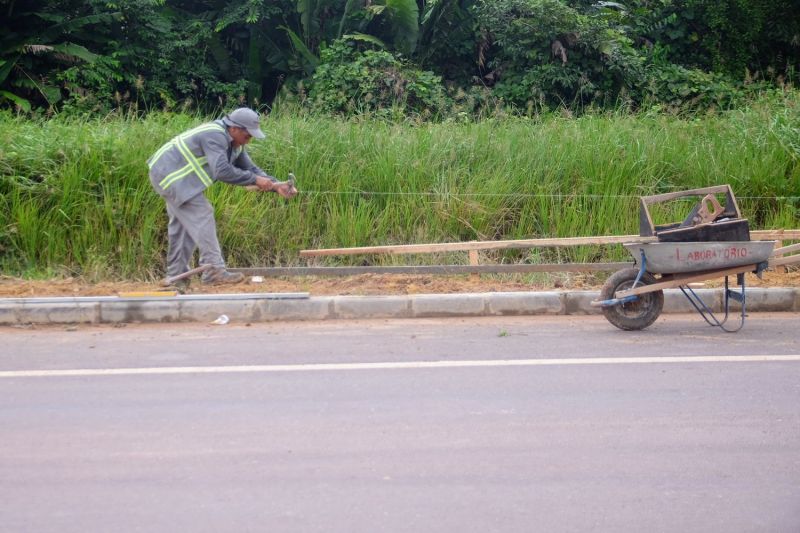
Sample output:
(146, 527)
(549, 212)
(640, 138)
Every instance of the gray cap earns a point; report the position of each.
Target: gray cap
(244, 118)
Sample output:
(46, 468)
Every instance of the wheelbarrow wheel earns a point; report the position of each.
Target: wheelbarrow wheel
(632, 315)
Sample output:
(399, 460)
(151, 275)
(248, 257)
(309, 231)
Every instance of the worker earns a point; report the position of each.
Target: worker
(182, 169)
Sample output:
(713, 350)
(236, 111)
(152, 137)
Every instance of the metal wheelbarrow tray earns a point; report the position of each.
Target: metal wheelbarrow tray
(632, 298)
(680, 257)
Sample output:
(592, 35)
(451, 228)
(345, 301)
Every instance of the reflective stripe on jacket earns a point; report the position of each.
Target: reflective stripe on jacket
(192, 161)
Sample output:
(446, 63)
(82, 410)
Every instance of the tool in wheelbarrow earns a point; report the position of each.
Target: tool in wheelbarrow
(713, 241)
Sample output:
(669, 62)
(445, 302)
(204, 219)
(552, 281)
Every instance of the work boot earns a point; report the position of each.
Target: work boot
(218, 276)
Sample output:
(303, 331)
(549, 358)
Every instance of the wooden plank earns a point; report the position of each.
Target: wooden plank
(474, 245)
(678, 280)
(432, 269)
(775, 235)
(779, 236)
(785, 250)
(783, 261)
(524, 243)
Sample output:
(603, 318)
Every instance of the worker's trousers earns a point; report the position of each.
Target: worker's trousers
(191, 226)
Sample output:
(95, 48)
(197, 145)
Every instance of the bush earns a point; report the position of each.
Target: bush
(544, 87)
(681, 88)
(349, 81)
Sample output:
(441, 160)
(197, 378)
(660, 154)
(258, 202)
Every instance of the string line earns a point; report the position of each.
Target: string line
(516, 195)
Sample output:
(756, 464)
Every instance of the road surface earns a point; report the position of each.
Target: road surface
(458, 425)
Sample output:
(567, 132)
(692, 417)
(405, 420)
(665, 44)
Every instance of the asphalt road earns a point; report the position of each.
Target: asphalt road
(458, 425)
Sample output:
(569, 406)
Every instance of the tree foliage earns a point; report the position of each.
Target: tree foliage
(97, 55)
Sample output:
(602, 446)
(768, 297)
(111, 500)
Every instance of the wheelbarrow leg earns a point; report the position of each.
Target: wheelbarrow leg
(708, 314)
(739, 297)
(642, 268)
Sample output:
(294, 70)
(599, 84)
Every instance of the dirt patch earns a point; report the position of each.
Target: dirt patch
(367, 284)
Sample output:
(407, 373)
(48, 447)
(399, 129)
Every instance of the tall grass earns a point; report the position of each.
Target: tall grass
(76, 198)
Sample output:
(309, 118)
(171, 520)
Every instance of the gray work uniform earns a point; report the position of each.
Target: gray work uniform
(180, 171)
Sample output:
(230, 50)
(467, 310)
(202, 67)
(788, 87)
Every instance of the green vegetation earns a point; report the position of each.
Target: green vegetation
(406, 121)
(79, 57)
(75, 198)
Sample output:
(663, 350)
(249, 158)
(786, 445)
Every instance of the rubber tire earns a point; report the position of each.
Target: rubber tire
(633, 315)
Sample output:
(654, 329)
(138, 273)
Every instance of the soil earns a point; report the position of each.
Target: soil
(367, 284)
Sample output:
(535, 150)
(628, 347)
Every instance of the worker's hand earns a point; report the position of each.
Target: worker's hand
(264, 184)
(285, 189)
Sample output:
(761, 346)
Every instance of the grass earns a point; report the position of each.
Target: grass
(75, 198)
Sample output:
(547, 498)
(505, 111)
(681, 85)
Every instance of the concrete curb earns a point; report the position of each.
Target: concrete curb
(265, 307)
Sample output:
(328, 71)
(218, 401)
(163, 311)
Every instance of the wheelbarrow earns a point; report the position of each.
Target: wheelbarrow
(712, 242)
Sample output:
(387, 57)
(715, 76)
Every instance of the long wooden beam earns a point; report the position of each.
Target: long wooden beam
(775, 234)
(432, 269)
(759, 235)
(472, 245)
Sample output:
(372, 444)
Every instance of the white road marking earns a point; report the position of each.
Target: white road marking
(316, 367)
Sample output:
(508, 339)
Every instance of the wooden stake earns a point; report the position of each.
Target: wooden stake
(473, 261)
